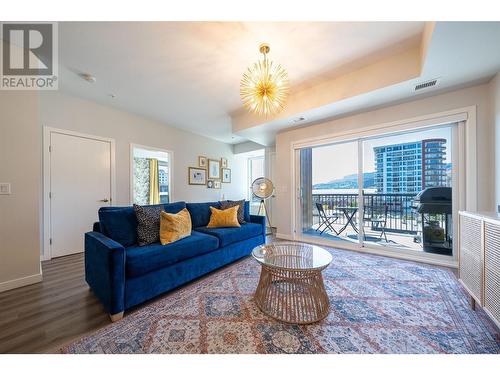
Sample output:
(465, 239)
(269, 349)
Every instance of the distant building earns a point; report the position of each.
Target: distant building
(163, 180)
(410, 167)
(163, 177)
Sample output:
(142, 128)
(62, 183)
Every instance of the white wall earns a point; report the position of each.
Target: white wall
(20, 165)
(476, 95)
(22, 117)
(270, 173)
(245, 147)
(72, 113)
(495, 113)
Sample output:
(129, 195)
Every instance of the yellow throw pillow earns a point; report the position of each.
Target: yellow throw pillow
(173, 227)
(224, 218)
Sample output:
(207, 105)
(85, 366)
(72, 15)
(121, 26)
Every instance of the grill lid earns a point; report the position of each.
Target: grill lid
(433, 200)
(434, 195)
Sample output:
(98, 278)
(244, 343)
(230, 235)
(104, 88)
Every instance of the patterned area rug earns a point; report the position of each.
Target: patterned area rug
(378, 305)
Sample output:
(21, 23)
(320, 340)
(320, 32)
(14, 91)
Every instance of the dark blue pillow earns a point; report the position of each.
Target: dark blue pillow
(120, 223)
(200, 212)
(247, 211)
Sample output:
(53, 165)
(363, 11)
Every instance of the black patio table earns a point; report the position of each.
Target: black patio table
(349, 213)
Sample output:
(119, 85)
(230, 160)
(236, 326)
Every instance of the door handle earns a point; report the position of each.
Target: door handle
(105, 200)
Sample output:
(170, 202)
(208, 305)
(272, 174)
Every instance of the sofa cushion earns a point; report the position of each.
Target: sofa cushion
(246, 209)
(200, 212)
(140, 260)
(120, 223)
(174, 207)
(224, 205)
(228, 236)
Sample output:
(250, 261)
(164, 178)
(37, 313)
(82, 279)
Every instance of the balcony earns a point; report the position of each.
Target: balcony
(403, 226)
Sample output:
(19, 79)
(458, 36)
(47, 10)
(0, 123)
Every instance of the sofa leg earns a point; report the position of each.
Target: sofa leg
(116, 317)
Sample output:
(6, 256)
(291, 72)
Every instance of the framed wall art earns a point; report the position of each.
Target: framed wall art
(202, 162)
(197, 176)
(214, 169)
(226, 175)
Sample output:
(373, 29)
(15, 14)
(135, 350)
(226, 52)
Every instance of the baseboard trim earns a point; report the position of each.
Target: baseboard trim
(451, 263)
(22, 281)
(283, 236)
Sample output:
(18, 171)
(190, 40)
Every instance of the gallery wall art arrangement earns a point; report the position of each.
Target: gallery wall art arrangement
(211, 173)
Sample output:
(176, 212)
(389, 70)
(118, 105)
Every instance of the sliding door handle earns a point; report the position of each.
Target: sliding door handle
(105, 200)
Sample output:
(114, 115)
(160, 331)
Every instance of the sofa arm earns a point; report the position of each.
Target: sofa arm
(105, 270)
(257, 219)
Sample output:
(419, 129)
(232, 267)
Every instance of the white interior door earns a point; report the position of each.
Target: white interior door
(80, 183)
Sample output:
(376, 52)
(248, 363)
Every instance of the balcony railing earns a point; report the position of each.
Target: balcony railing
(401, 218)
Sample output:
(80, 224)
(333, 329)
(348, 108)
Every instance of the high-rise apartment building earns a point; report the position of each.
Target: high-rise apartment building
(163, 176)
(410, 167)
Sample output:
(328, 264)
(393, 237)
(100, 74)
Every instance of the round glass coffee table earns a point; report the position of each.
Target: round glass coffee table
(291, 286)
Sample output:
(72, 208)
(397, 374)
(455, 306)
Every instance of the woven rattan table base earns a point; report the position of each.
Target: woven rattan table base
(292, 296)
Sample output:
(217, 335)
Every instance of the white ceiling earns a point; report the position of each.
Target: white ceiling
(186, 74)
(459, 54)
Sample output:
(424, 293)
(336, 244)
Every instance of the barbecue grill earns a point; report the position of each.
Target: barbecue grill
(434, 205)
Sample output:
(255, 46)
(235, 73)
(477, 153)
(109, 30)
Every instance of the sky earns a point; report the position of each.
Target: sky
(336, 161)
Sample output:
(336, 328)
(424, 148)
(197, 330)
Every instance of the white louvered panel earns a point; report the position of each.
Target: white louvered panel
(492, 269)
(471, 255)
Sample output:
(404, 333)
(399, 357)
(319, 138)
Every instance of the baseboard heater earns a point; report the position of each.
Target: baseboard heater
(479, 260)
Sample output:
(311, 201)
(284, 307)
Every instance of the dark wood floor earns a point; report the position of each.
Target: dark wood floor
(41, 317)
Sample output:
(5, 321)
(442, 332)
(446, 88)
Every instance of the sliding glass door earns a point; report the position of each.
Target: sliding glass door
(399, 168)
(329, 191)
(391, 191)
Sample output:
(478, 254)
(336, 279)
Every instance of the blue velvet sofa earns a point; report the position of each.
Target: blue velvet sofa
(123, 274)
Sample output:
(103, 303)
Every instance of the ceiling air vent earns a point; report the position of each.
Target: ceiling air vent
(427, 84)
(299, 119)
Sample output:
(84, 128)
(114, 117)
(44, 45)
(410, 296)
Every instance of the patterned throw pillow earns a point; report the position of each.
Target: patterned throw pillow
(148, 224)
(241, 208)
(224, 218)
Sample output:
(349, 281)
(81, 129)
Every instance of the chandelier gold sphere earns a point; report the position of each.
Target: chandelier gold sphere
(264, 86)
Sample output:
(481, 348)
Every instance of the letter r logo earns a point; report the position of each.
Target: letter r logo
(28, 49)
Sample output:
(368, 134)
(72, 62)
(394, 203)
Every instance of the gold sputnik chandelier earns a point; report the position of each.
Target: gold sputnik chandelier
(264, 86)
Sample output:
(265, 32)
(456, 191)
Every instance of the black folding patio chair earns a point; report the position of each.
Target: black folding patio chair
(326, 220)
(377, 216)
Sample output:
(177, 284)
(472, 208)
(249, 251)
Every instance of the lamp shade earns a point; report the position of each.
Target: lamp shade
(262, 188)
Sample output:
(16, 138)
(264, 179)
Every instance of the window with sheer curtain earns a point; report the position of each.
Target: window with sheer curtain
(150, 176)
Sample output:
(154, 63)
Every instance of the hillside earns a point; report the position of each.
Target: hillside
(348, 182)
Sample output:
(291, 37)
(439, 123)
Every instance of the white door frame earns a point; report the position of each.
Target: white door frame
(46, 223)
(270, 172)
(170, 170)
(466, 184)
